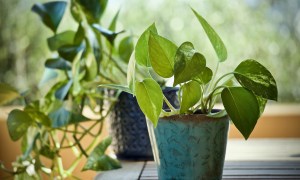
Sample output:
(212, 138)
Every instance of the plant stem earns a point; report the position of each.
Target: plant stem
(209, 97)
(169, 104)
(213, 78)
(115, 62)
(216, 83)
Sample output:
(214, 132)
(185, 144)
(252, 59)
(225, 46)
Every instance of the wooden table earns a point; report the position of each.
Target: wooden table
(252, 159)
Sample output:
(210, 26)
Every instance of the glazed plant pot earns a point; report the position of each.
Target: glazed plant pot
(189, 146)
(128, 127)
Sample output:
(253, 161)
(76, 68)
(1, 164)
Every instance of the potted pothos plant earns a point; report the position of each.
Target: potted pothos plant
(189, 142)
(55, 121)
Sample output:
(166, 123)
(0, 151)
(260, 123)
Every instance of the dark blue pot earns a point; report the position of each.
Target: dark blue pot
(189, 147)
(129, 129)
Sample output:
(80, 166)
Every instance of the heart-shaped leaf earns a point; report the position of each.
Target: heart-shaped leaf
(205, 76)
(51, 13)
(125, 48)
(150, 99)
(17, 123)
(188, 63)
(214, 38)
(191, 94)
(99, 161)
(69, 52)
(58, 63)
(61, 39)
(141, 48)
(93, 9)
(7, 93)
(254, 76)
(242, 107)
(161, 55)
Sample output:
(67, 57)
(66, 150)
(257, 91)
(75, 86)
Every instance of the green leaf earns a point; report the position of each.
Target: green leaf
(116, 86)
(17, 123)
(51, 13)
(69, 52)
(214, 38)
(188, 63)
(109, 35)
(47, 152)
(80, 35)
(150, 98)
(125, 48)
(62, 92)
(93, 9)
(77, 118)
(161, 55)
(113, 23)
(242, 107)
(29, 140)
(131, 73)
(34, 112)
(58, 63)
(141, 48)
(254, 76)
(7, 93)
(49, 74)
(191, 94)
(99, 161)
(262, 104)
(205, 76)
(60, 117)
(61, 39)
(91, 66)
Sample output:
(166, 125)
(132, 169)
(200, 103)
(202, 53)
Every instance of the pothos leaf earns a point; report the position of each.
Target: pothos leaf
(141, 48)
(254, 76)
(161, 55)
(7, 93)
(214, 38)
(191, 94)
(242, 107)
(51, 13)
(150, 99)
(99, 161)
(18, 122)
(188, 63)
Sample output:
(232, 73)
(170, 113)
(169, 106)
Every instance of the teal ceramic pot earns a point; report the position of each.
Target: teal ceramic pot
(190, 147)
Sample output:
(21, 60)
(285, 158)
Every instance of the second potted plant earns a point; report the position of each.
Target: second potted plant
(190, 142)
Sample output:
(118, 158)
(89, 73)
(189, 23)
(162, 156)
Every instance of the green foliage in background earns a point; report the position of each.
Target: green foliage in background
(82, 57)
(274, 20)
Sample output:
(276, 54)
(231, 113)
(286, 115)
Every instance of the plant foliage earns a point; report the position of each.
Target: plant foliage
(198, 86)
(82, 58)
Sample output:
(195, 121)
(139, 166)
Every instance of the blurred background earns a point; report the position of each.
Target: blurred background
(268, 31)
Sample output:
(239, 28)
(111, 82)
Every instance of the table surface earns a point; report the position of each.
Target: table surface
(252, 159)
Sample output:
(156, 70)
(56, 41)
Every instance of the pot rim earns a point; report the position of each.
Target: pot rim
(198, 116)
